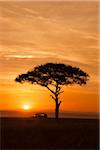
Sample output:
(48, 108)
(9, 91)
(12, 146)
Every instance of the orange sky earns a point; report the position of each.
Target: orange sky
(33, 33)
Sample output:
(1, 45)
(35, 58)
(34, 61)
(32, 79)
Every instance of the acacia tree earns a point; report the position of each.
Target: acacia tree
(53, 76)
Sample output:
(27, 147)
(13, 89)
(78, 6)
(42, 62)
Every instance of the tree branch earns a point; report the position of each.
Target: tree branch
(53, 97)
(50, 90)
(60, 92)
(59, 88)
(59, 103)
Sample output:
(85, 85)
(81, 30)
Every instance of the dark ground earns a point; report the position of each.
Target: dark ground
(68, 134)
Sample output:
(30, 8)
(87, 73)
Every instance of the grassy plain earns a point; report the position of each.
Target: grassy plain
(28, 133)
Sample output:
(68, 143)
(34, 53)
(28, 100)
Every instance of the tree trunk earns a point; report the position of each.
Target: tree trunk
(57, 110)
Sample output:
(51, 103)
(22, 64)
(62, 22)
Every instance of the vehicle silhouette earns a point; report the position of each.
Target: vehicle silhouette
(40, 115)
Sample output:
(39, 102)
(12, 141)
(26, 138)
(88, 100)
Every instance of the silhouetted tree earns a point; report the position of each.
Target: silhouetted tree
(53, 77)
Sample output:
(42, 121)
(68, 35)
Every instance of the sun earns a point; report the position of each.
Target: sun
(26, 107)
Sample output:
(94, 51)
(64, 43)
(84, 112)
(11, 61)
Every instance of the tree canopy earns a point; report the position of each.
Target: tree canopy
(49, 73)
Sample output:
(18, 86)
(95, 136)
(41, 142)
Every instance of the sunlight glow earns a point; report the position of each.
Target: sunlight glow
(26, 107)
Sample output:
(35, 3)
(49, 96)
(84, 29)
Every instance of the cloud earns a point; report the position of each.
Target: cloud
(64, 31)
(33, 54)
(19, 56)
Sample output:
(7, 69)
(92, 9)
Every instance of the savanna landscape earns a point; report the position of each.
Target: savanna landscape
(49, 80)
